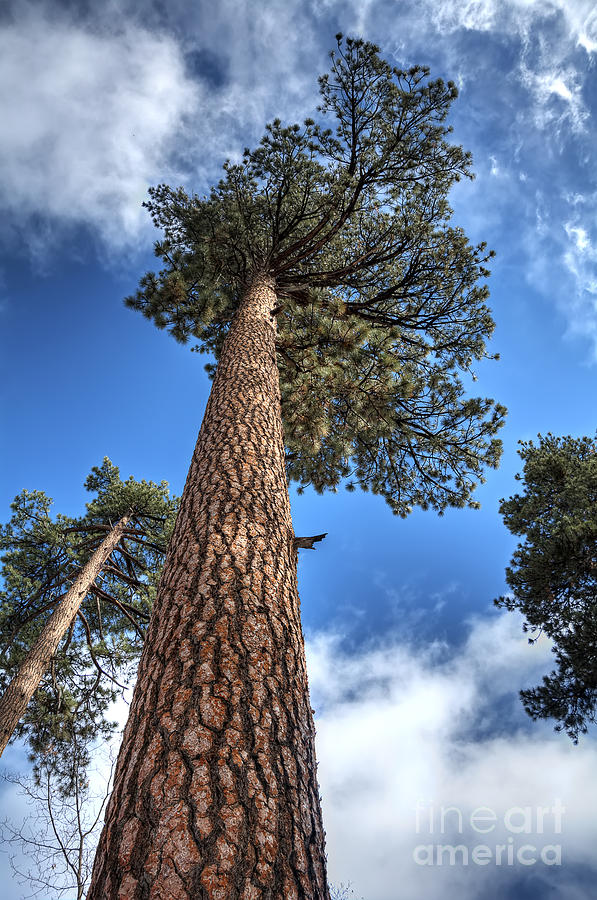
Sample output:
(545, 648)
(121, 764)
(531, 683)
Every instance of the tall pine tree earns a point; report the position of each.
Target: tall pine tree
(75, 605)
(342, 307)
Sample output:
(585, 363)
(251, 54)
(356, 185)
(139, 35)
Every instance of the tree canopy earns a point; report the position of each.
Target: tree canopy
(381, 309)
(41, 557)
(553, 573)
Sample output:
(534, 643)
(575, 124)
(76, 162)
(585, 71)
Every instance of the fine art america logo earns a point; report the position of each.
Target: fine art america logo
(518, 835)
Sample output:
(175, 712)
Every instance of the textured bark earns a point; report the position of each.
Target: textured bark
(19, 692)
(215, 792)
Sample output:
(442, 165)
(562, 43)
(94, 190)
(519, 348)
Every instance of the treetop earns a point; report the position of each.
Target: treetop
(380, 298)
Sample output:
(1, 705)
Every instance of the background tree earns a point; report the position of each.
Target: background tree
(553, 573)
(51, 849)
(341, 891)
(342, 308)
(101, 642)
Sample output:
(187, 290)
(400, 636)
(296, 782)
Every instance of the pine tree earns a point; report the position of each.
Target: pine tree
(76, 600)
(553, 573)
(341, 305)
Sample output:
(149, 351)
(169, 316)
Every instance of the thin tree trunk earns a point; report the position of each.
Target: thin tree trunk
(19, 692)
(215, 793)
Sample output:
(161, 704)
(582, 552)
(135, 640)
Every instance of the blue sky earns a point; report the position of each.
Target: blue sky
(414, 676)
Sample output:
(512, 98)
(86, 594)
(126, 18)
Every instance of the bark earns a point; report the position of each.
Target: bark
(215, 792)
(19, 692)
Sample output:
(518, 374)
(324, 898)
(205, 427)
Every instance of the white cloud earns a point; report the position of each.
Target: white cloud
(560, 243)
(97, 107)
(88, 121)
(270, 55)
(587, 28)
(585, 41)
(548, 33)
(557, 86)
(580, 253)
(551, 82)
(579, 236)
(516, 16)
(580, 259)
(399, 726)
(544, 49)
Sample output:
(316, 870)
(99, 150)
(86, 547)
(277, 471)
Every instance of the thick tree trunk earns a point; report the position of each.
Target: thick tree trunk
(215, 792)
(19, 692)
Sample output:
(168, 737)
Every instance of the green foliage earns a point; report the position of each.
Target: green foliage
(381, 306)
(553, 573)
(41, 558)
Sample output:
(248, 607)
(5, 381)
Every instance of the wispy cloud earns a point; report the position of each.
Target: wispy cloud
(516, 16)
(580, 259)
(557, 98)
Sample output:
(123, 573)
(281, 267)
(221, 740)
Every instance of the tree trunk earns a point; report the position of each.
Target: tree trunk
(19, 692)
(215, 793)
